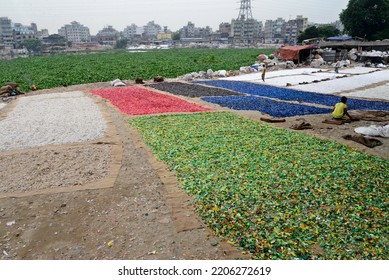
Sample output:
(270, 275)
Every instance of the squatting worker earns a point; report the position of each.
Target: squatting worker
(340, 109)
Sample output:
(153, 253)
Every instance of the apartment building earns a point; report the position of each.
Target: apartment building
(6, 34)
(42, 34)
(151, 30)
(22, 33)
(75, 32)
(246, 31)
(225, 29)
(273, 31)
(292, 28)
(108, 36)
(131, 30)
(188, 31)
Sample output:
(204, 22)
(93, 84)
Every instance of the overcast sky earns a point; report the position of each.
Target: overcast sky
(95, 14)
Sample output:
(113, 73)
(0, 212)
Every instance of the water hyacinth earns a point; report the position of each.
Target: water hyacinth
(278, 194)
(295, 95)
(66, 69)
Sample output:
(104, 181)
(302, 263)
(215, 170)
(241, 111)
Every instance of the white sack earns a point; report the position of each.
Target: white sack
(374, 130)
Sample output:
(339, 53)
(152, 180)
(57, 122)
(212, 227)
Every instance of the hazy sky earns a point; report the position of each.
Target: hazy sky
(95, 14)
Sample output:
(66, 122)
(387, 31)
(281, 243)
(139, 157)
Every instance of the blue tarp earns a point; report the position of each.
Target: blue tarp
(340, 38)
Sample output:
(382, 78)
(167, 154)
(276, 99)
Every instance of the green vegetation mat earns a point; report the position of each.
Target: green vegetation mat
(59, 70)
(278, 194)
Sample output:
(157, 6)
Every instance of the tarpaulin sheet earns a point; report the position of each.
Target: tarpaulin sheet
(293, 52)
(340, 38)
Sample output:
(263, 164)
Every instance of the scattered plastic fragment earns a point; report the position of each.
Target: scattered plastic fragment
(11, 223)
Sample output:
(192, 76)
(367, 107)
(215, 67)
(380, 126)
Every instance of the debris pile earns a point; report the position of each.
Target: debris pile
(210, 74)
(318, 59)
(372, 58)
(10, 89)
(118, 83)
(158, 79)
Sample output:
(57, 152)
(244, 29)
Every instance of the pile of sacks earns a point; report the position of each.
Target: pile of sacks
(343, 63)
(287, 64)
(370, 58)
(208, 75)
(256, 67)
(118, 83)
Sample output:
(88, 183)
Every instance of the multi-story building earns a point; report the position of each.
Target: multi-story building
(165, 36)
(225, 30)
(42, 34)
(292, 28)
(246, 31)
(34, 27)
(6, 34)
(130, 31)
(203, 32)
(75, 32)
(108, 36)
(273, 31)
(22, 33)
(188, 31)
(151, 30)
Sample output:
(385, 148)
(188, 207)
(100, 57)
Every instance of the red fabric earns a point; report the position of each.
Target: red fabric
(293, 52)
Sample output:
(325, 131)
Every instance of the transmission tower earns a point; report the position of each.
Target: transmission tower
(244, 29)
(245, 10)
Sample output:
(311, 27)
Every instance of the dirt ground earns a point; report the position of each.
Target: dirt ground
(126, 205)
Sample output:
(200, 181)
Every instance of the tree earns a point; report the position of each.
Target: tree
(33, 45)
(367, 19)
(310, 32)
(121, 44)
(318, 32)
(328, 31)
(55, 40)
(176, 36)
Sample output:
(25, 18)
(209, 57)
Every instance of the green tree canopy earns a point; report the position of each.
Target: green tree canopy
(55, 40)
(318, 32)
(367, 19)
(33, 45)
(176, 36)
(121, 44)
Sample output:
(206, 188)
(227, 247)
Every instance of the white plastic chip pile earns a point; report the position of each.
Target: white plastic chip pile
(52, 119)
(351, 81)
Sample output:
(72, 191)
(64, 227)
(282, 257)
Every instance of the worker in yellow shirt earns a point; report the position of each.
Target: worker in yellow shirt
(340, 109)
(263, 71)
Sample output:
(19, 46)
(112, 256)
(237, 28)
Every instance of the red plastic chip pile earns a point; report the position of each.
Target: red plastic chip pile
(139, 101)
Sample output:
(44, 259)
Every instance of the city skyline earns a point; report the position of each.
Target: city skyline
(96, 14)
